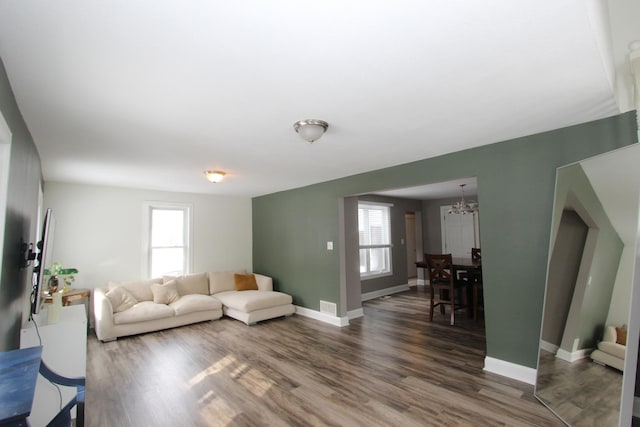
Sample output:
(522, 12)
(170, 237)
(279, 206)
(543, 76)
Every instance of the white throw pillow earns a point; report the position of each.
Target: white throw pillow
(140, 289)
(196, 283)
(165, 293)
(220, 281)
(121, 299)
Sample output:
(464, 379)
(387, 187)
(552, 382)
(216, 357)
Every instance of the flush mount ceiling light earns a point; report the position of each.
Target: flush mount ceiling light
(311, 129)
(463, 207)
(214, 176)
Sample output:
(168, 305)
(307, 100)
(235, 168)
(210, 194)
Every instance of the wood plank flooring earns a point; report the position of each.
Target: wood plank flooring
(390, 368)
(583, 393)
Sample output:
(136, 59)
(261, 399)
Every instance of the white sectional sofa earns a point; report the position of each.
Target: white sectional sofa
(612, 349)
(129, 308)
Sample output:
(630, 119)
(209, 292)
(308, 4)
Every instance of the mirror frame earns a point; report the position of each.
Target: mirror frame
(627, 173)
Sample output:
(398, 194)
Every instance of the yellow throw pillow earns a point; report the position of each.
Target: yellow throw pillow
(245, 282)
(621, 335)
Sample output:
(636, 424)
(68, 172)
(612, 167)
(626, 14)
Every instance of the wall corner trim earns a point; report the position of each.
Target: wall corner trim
(354, 314)
(323, 317)
(510, 370)
(573, 356)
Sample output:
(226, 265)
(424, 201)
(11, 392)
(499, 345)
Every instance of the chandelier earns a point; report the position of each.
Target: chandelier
(463, 207)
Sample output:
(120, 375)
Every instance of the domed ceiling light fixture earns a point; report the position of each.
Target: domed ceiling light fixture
(214, 176)
(463, 207)
(311, 129)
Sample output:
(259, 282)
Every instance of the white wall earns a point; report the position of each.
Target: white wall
(619, 307)
(99, 230)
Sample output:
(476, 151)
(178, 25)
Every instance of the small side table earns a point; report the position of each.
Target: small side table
(71, 296)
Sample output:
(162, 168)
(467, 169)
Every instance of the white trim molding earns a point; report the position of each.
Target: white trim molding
(323, 317)
(573, 356)
(354, 314)
(384, 292)
(551, 348)
(510, 370)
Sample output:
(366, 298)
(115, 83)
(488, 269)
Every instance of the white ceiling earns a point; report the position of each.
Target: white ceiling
(149, 94)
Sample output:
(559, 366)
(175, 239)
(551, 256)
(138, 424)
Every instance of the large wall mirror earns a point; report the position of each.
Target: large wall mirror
(589, 333)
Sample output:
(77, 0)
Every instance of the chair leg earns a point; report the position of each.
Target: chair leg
(452, 303)
(432, 294)
(475, 301)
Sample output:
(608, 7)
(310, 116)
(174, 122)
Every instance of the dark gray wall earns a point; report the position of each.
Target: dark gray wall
(20, 226)
(291, 228)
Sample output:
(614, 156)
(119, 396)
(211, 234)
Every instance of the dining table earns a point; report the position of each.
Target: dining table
(462, 265)
(458, 263)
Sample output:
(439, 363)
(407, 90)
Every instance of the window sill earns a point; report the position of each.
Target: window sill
(375, 276)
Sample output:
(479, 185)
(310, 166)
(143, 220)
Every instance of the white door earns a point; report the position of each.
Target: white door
(460, 233)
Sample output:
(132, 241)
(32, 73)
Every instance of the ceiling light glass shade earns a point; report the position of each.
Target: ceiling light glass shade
(310, 130)
(214, 176)
(463, 207)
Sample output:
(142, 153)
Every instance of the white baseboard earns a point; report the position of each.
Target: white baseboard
(422, 282)
(323, 317)
(354, 314)
(383, 292)
(636, 406)
(510, 370)
(551, 348)
(573, 356)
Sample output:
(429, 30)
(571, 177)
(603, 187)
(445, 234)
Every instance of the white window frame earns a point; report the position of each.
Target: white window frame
(147, 209)
(377, 274)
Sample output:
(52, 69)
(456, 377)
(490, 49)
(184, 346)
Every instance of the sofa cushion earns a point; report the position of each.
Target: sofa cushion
(165, 293)
(220, 281)
(195, 302)
(142, 311)
(197, 283)
(140, 289)
(245, 282)
(121, 299)
(612, 348)
(248, 301)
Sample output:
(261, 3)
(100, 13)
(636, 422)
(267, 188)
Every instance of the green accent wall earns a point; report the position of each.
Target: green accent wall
(516, 186)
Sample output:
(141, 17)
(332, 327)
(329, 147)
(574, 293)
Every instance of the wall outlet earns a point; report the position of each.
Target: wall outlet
(329, 246)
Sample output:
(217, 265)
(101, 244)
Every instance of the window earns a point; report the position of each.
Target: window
(168, 243)
(374, 226)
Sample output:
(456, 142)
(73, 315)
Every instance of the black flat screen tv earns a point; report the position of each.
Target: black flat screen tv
(43, 262)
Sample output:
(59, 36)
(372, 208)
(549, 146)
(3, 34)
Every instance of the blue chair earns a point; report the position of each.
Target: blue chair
(63, 418)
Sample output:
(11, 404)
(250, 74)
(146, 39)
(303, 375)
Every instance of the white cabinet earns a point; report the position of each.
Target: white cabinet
(64, 351)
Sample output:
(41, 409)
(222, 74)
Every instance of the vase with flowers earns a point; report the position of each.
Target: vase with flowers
(57, 273)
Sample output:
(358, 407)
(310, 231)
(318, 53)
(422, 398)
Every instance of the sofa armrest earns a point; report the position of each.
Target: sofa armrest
(265, 283)
(103, 314)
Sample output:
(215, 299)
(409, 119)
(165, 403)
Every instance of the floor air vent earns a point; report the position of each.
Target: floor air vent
(328, 308)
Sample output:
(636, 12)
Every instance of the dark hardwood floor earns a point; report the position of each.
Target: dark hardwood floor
(390, 368)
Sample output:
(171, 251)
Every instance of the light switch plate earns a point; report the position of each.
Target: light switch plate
(329, 246)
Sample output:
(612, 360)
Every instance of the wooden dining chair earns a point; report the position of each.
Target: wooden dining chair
(474, 277)
(442, 280)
